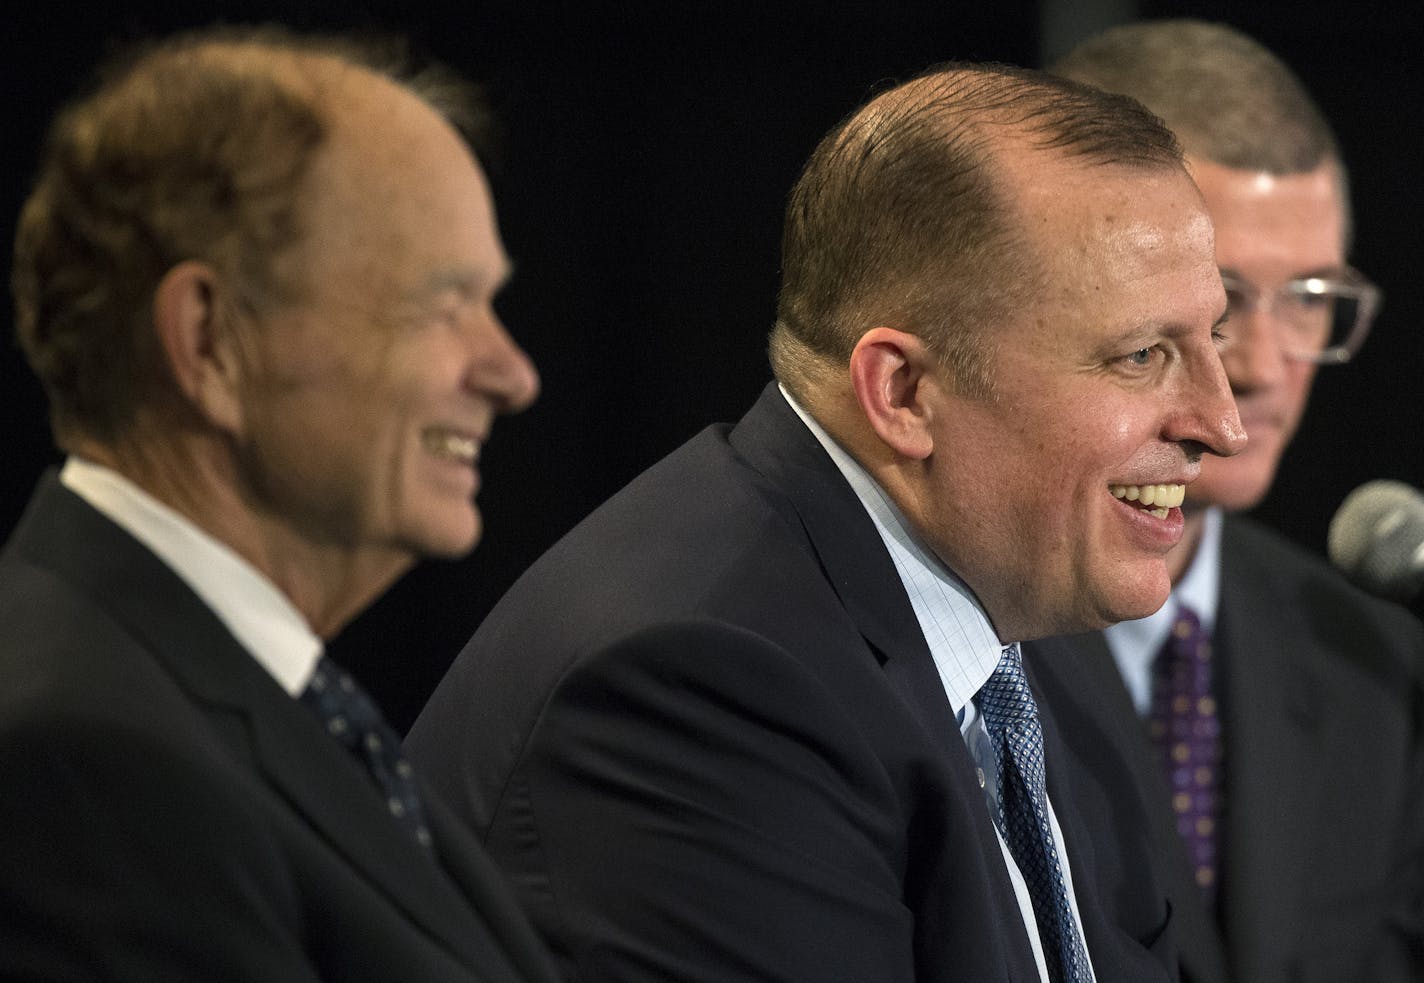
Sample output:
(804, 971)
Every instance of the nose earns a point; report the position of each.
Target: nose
(1209, 420)
(501, 371)
(1253, 358)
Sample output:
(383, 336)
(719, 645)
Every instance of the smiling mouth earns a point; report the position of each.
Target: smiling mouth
(451, 446)
(1155, 499)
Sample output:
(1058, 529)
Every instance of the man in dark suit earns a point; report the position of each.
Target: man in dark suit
(746, 722)
(1272, 710)
(270, 352)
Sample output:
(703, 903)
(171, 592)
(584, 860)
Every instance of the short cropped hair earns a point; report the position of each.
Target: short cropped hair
(901, 218)
(191, 148)
(1228, 99)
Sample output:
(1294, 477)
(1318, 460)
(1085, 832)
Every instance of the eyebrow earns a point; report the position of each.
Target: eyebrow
(1322, 272)
(467, 283)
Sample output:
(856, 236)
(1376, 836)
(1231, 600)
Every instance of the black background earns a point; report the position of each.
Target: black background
(646, 155)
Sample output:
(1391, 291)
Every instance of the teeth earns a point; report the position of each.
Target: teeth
(1163, 496)
(456, 447)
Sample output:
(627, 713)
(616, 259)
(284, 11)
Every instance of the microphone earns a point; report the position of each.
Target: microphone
(1377, 538)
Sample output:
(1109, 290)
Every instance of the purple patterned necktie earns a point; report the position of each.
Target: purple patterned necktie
(1184, 727)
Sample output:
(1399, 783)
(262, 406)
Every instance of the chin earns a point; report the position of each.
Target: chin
(450, 541)
(1236, 495)
(1140, 600)
(1236, 484)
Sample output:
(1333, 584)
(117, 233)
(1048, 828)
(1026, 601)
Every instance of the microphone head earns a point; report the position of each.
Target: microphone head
(1377, 538)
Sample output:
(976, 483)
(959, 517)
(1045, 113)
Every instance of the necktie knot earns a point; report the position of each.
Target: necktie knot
(1005, 700)
(348, 712)
(354, 720)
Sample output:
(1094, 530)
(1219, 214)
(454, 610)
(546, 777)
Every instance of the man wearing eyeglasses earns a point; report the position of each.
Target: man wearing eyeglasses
(1280, 705)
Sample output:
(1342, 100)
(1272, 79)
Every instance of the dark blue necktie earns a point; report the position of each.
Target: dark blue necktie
(1011, 718)
(351, 718)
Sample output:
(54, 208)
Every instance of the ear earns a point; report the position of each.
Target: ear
(892, 373)
(198, 343)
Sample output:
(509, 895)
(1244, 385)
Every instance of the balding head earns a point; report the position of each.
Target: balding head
(905, 217)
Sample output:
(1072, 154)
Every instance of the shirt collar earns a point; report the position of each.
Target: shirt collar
(960, 638)
(259, 615)
(1135, 644)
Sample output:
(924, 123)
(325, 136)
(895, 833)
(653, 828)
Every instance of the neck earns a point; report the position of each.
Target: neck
(328, 583)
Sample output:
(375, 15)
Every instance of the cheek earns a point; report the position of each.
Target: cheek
(1297, 395)
(1080, 445)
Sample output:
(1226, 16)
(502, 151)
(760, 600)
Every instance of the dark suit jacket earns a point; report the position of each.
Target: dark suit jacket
(705, 738)
(169, 813)
(1322, 835)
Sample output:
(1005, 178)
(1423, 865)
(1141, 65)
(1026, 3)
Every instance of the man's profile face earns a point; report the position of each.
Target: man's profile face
(1269, 230)
(371, 397)
(1107, 383)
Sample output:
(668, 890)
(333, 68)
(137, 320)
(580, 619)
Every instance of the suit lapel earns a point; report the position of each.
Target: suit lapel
(274, 734)
(331, 789)
(485, 888)
(1114, 956)
(856, 563)
(1271, 737)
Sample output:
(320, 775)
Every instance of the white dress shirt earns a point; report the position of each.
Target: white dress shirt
(259, 615)
(965, 649)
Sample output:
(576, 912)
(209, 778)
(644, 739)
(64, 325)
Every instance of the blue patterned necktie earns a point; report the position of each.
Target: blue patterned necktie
(1011, 718)
(1187, 733)
(351, 718)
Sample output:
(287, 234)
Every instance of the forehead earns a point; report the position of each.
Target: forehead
(395, 195)
(1098, 226)
(1122, 256)
(1296, 222)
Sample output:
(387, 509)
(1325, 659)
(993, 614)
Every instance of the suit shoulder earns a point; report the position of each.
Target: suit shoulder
(1279, 597)
(58, 646)
(1255, 555)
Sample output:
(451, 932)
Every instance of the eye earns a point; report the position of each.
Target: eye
(1310, 293)
(1140, 361)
